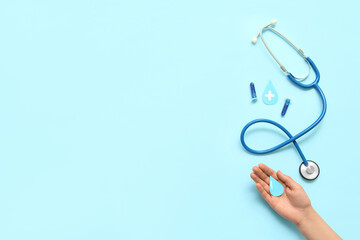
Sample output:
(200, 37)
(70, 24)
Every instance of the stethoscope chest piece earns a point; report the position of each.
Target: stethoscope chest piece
(310, 172)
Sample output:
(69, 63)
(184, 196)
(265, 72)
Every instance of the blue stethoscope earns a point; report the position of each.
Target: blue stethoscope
(308, 169)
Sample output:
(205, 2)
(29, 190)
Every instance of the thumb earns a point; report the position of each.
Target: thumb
(287, 180)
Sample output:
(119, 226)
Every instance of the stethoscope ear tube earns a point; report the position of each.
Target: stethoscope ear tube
(299, 51)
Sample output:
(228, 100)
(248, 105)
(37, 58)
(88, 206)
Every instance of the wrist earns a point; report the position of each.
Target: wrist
(308, 215)
(312, 226)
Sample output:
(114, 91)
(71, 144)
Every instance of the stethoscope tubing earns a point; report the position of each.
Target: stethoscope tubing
(292, 139)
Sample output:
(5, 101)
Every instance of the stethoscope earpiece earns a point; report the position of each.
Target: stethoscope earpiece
(274, 22)
(254, 40)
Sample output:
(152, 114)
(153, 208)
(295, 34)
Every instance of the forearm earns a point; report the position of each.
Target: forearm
(313, 227)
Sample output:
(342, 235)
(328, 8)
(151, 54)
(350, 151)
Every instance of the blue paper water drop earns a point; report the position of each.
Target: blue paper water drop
(270, 96)
(276, 189)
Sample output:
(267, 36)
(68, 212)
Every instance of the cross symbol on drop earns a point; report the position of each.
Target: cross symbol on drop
(269, 95)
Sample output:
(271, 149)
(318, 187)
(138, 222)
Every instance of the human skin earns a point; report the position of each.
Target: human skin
(294, 204)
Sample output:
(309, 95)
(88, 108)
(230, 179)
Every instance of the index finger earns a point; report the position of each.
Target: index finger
(268, 171)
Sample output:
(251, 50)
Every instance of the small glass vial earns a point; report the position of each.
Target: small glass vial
(286, 105)
(253, 92)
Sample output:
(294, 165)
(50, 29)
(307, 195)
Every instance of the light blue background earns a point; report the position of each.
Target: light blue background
(121, 119)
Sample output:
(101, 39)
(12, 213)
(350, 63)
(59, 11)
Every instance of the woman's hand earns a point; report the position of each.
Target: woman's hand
(293, 204)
